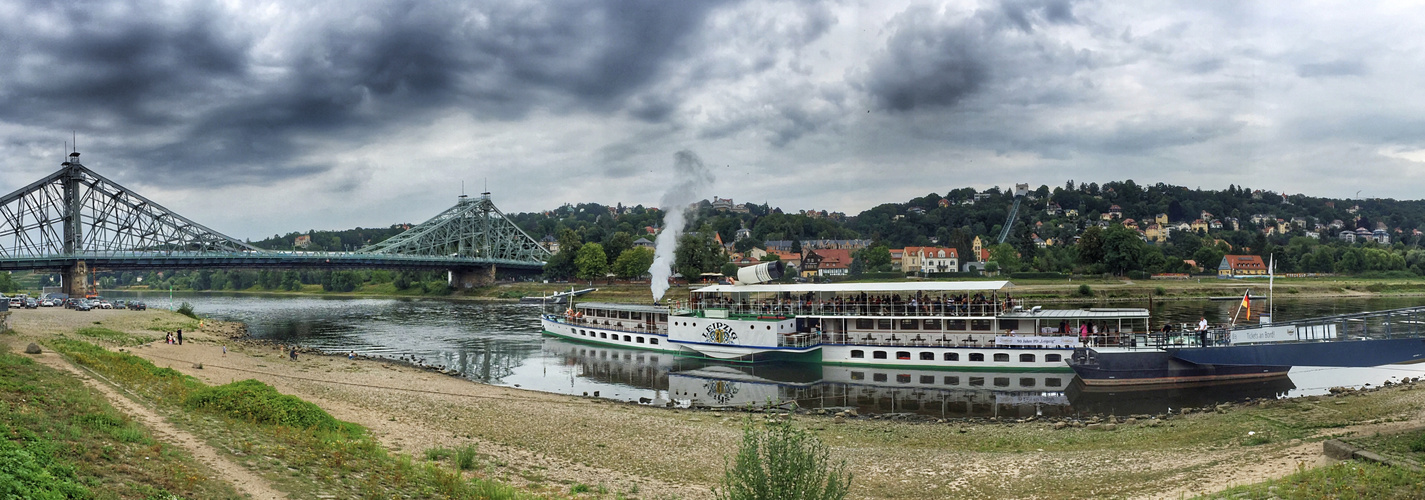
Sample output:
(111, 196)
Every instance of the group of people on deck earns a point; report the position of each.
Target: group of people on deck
(920, 304)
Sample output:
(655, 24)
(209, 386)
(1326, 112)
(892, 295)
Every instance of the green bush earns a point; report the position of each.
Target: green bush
(1160, 290)
(257, 402)
(186, 309)
(465, 458)
(1085, 291)
(1417, 444)
(783, 463)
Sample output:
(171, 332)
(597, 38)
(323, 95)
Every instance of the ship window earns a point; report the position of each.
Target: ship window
(623, 315)
(977, 356)
(1053, 358)
(858, 375)
(653, 341)
(884, 324)
(952, 356)
(865, 323)
(626, 338)
(902, 354)
(603, 335)
(1026, 382)
(952, 380)
(955, 324)
(857, 353)
(910, 324)
(878, 354)
(903, 378)
(878, 377)
(640, 340)
(982, 325)
(1008, 324)
(1001, 357)
(581, 332)
(927, 379)
(663, 318)
(636, 315)
(977, 381)
(1001, 381)
(927, 356)
(931, 324)
(1026, 358)
(1052, 382)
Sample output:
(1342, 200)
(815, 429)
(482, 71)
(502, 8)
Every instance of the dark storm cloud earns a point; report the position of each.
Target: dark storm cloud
(69, 61)
(937, 59)
(224, 102)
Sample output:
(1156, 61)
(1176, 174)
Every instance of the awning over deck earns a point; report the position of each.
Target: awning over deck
(870, 288)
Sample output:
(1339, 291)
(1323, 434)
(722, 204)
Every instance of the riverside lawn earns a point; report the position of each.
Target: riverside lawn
(554, 444)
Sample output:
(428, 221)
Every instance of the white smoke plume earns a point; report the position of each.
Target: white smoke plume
(690, 178)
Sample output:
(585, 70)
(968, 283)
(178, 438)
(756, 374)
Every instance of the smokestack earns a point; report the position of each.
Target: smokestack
(690, 177)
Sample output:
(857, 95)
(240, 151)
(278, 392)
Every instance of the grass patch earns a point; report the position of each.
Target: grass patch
(62, 441)
(294, 444)
(256, 402)
(1344, 480)
(113, 336)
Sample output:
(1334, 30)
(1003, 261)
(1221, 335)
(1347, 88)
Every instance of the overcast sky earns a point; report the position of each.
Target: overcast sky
(258, 118)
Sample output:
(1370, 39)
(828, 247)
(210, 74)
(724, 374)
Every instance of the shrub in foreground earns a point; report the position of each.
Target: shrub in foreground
(782, 462)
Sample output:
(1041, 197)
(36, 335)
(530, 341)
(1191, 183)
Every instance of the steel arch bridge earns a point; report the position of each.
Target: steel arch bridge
(75, 220)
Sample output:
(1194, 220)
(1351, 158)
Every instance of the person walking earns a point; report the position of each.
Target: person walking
(180, 336)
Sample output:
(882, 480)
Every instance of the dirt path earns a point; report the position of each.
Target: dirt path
(244, 481)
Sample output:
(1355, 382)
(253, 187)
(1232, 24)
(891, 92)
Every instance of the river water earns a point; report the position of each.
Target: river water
(501, 344)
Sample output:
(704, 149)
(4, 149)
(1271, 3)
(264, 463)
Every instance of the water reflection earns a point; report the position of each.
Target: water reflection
(501, 344)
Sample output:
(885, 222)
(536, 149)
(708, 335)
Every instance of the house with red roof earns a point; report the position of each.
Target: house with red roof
(1238, 266)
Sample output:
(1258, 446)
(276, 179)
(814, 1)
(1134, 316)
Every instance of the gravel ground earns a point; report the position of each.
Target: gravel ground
(552, 441)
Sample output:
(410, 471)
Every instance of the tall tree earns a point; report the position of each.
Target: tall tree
(591, 262)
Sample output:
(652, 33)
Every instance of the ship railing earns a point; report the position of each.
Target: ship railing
(798, 340)
(611, 325)
(926, 339)
(797, 308)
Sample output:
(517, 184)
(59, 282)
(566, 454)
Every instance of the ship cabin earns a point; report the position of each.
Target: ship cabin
(633, 318)
(932, 313)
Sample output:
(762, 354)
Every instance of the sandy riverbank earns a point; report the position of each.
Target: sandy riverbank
(543, 439)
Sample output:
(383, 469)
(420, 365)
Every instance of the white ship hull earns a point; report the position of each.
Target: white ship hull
(956, 358)
(555, 325)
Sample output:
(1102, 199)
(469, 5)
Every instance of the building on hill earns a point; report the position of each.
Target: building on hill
(1198, 225)
(1161, 219)
(303, 241)
(723, 204)
(1115, 212)
(549, 242)
(641, 242)
(897, 257)
(929, 260)
(1238, 266)
(1156, 233)
(834, 262)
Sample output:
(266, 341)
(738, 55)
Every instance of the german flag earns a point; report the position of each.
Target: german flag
(1247, 303)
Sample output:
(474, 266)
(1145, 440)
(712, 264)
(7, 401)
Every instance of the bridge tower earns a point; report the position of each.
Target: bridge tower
(76, 275)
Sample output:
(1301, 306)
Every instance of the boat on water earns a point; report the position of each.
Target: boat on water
(965, 325)
(1261, 351)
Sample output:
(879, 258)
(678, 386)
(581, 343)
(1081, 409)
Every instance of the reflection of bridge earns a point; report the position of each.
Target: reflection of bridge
(75, 220)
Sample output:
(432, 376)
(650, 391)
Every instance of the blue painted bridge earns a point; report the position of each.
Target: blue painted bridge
(76, 221)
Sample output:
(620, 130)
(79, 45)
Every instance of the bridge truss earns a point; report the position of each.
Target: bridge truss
(77, 212)
(74, 220)
(473, 228)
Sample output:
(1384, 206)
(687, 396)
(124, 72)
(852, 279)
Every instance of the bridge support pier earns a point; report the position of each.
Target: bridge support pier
(471, 277)
(76, 280)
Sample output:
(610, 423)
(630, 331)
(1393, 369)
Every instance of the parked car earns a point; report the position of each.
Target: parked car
(32, 304)
(104, 304)
(82, 305)
(138, 306)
